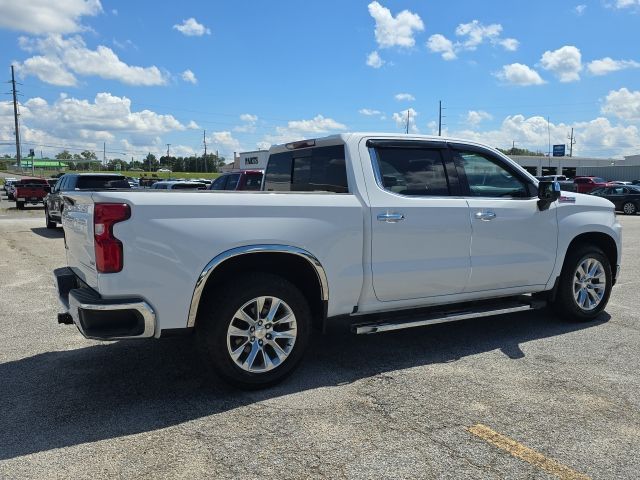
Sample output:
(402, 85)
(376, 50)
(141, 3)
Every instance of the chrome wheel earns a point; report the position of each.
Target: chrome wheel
(261, 334)
(629, 208)
(589, 284)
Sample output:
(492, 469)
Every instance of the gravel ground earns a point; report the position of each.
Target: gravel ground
(389, 405)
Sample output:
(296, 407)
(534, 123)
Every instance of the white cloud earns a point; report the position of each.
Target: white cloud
(477, 33)
(438, 43)
(404, 97)
(374, 60)
(193, 125)
(623, 104)
(401, 120)
(48, 70)
(627, 3)
(42, 17)
(300, 129)
(368, 112)
(393, 31)
(608, 65)
(579, 9)
(191, 28)
(565, 63)
(472, 35)
(475, 117)
(519, 74)
(225, 141)
(249, 123)
(597, 137)
(189, 76)
(509, 44)
(247, 117)
(72, 55)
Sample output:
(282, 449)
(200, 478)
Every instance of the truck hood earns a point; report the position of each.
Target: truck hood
(583, 201)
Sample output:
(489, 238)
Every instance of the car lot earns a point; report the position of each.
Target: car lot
(405, 404)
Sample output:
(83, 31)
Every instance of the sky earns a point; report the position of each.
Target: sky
(133, 77)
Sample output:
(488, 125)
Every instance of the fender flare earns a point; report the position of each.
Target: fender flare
(248, 250)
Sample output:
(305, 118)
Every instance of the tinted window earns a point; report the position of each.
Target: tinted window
(253, 181)
(316, 169)
(188, 186)
(232, 181)
(412, 171)
(489, 178)
(219, 183)
(101, 182)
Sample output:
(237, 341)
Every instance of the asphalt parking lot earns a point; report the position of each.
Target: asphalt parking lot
(518, 396)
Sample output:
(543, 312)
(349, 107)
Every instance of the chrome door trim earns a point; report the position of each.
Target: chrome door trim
(249, 249)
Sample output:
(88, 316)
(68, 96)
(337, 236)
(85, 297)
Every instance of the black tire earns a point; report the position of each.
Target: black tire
(20, 205)
(630, 208)
(218, 310)
(50, 223)
(565, 303)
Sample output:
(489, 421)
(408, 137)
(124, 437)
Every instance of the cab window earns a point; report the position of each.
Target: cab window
(487, 177)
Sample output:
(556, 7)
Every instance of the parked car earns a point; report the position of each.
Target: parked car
(382, 231)
(30, 191)
(619, 182)
(178, 185)
(242, 180)
(586, 184)
(8, 181)
(54, 202)
(626, 198)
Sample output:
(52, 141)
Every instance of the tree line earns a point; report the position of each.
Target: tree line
(87, 160)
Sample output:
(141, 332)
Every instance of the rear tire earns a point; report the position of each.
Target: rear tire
(585, 284)
(629, 208)
(51, 224)
(252, 349)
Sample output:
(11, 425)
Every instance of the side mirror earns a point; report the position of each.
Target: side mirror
(548, 192)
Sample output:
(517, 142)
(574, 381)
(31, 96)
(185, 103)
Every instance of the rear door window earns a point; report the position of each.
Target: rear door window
(232, 181)
(253, 181)
(219, 183)
(101, 182)
(321, 169)
(412, 171)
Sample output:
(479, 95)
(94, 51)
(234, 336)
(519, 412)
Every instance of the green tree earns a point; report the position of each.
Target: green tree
(64, 155)
(151, 164)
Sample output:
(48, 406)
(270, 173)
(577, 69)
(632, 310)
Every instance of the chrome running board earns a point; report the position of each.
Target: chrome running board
(445, 316)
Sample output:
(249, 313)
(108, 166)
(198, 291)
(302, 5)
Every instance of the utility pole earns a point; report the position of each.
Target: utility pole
(440, 117)
(204, 141)
(168, 145)
(408, 119)
(15, 117)
(104, 154)
(572, 142)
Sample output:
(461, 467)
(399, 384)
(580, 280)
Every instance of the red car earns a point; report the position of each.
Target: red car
(243, 180)
(586, 184)
(30, 191)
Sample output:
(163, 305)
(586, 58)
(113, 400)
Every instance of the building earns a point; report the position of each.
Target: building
(607, 168)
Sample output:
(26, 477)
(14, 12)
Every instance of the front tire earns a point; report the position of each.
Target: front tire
(629, 208)
(254, 331)
(51, 224)
(585, 284)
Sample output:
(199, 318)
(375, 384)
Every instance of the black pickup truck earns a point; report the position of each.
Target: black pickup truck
(54, 202)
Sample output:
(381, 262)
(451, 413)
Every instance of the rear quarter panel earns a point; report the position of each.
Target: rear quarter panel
(171, 236)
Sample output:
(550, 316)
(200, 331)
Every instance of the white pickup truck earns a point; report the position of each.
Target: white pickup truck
(384, 231)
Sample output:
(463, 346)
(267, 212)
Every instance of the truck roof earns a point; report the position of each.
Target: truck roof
(344, 137)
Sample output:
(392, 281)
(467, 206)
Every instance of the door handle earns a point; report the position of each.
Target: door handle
(390, 217)
(485, 216)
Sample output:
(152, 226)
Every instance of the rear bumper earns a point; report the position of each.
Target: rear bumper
(99, 318)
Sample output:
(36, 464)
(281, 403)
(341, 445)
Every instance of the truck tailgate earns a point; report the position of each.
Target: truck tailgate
(77, 221)
(29, 192)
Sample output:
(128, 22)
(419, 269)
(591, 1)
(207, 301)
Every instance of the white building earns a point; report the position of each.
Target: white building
(607, 168)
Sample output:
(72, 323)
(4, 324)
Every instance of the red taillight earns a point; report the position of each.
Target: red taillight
(109, 257)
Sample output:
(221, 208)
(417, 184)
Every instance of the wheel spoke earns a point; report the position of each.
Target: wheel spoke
(280, 353)
(259, 306)
(244, 316)
(251, 358)
(238, 351)
(286, 319)
(286, 334)
(275, 305)
(237, 332)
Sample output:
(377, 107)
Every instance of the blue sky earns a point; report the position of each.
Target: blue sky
(252, 73)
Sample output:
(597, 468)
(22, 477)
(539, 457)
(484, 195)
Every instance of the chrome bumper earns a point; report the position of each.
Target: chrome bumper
(103, 319)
